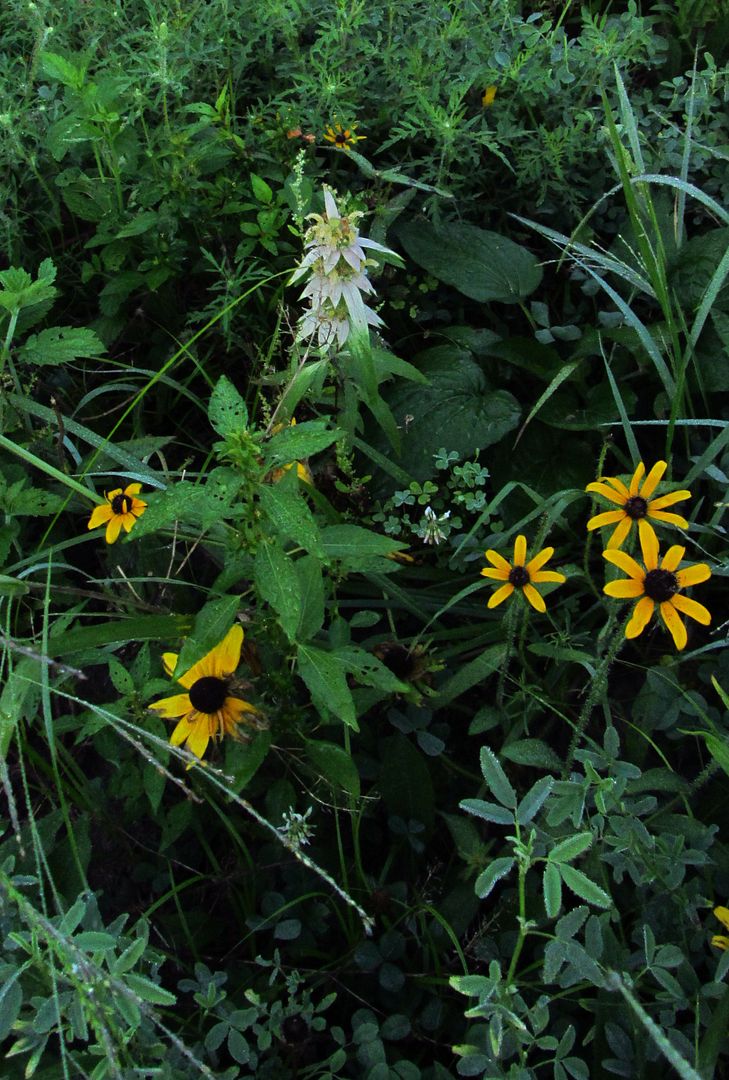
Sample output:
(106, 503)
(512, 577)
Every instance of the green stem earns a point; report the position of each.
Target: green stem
(523, 866)
(614, 627)
(510, 629)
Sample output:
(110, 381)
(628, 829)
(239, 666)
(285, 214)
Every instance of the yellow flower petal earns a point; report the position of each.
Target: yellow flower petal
(618, 536)
(497, 575)
(672, 558)
(498, 561)
(500, 595)
(609, 517)
(693, 575)
(672, 519)
(539, 560)
(691, 608)
(624, 589)
(100, 516)
(625, 563)
(177, 705)
(169, 662)
(535, 599)
(548, 575)
(199, 737)
(648, 544)
(113, 529)
(720, 942)
(225, 657)
(653, 479)
(618, 484)
(636, 479)
(642, 614)
(182, 730)
(675, 626)
(668, 500)
(722, 914)
(520, 550)
(132, 489)
(607, 493)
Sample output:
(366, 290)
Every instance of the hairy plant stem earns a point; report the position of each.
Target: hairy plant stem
(614, 628)
(523, 864)
(510, 625)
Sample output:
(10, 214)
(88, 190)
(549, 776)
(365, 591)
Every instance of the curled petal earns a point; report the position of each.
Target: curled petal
(648, 544)
(500, 595)
(520, 550)
(653, 479)
(624, 589)
(691, 608)
(668, 500)
(608, 518)
(534, 598)
(693, 575)
(675, 626)
(642, 614)
(625, 563)
(719, 941)
(619, 533)
(636, 479)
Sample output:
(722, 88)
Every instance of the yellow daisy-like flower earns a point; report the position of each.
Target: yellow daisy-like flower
(521, 574)
(660, 585)
(343, 138)
(207, 709)
(721, 941)
(121, 508)
(635, 504)
(488, 96)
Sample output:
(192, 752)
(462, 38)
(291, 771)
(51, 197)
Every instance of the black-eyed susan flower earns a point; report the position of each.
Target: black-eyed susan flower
(121, 509)
(721, 941)
(488, 96)
(343, 138)
(521, 574)
(207, 709)
(636, 504)
(658, 584)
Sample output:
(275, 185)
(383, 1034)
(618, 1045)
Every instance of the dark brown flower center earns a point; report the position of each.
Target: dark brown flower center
(341, 137)
(660, 585)
(636, 507)
(208, 694)
(121, 504)
(519, 576)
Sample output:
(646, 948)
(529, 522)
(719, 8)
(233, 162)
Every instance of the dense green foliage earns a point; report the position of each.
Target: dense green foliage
(452, 838)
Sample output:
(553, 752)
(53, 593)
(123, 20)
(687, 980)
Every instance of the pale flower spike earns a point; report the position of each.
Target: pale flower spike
(335, 262)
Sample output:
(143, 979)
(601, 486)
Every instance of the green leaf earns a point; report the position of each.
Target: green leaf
(58, 67)
(311, 591)
(211, 625)
(493, 873)
(552, 888)
(498, 815)
(356, 547)
(582, 886)
(496, 778)
(61, 345)
(278, 584)
(261, 190)
(18, 290)
(369, 670)
(11, 1000)
(149, 991)
(94, 941)
(719, 750)
(290, 515)
(405, 783)
(458, 410)
(534, 799)
(334, 764)
(297, 441)
(325, 677)
(10, 586)
(243, 759)
(475, 671)
(482, 265)
(532, 752)
(567, 850)
(227, 411)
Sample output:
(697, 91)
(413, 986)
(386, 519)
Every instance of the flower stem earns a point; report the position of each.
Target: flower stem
(614, 628)
(510, 624)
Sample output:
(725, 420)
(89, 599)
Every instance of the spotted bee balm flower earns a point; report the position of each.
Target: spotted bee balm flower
(121, 510)
(520, 574)
(635, 504)
(658, 584)
(209, 708)
(335, 263)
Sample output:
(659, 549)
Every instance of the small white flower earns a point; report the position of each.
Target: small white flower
(431, 530)
(296, 828)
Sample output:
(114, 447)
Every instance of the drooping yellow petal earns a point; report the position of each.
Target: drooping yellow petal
(722, 914)
(199, 737)
(691, 608)
(498, 561)
(620, 532)
(113, 529)
(535, 598)
(520, 550)
(609, 517)
(648, 544)
(693, 575)
(548, 575)
(675, 626)
(653, 479)
(177, 705)
(668, 500)
(672, 558)
(625, 563)
(624, 588)
(539, 560)
(100, 515)
(642, 614)
(497, 575)
(607, 492)
(636, 479)
(500, 595)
